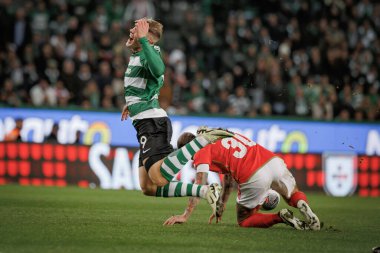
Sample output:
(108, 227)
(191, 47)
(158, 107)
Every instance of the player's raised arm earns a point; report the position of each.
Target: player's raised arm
(153, 58)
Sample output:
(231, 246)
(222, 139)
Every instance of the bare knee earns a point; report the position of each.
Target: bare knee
(160, 181)
(148, 190)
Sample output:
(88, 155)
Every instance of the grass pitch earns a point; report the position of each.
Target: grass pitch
(40, 219)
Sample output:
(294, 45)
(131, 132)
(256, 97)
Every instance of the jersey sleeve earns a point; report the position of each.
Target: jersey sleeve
(203, 156)
(153, 58)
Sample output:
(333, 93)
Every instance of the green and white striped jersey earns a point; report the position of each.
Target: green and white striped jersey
(143, 80)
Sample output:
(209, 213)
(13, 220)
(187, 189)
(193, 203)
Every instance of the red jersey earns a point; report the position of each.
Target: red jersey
(237, 155)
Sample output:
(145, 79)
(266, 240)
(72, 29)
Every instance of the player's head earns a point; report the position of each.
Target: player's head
(184, 139)
(154, 35)
(155, 31)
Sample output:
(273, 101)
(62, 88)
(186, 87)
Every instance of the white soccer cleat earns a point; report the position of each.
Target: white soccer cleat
(289, 219)
(202, 129)
(212, 135)
(311, 218)
(213, 195)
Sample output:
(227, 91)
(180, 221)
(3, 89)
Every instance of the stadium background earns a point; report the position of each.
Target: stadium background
(314, 64)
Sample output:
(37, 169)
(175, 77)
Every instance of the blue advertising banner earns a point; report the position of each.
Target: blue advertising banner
(287, 136)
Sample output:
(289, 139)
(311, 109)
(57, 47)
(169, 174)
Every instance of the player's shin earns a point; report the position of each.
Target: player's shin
(176, 160)
(179, 189)
(297, 196)
(261, 220)
(251, 218)
(299, 200)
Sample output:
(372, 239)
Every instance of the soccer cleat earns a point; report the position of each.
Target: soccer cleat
(212, 135)
(289, 219)
(311, 218)
(202, 129)
(213, 195)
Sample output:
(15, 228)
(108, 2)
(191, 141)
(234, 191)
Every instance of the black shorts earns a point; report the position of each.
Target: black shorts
(154, 136)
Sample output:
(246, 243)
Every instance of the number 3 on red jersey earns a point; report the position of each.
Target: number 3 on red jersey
(238, 142)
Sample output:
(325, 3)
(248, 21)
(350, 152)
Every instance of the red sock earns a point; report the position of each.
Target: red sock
(261, 220)
(297, 196)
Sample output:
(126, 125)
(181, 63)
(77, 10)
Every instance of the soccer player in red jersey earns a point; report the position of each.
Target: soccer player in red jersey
(256, 170)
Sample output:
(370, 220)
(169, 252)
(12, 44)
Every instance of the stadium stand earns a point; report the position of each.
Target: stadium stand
(310, 59)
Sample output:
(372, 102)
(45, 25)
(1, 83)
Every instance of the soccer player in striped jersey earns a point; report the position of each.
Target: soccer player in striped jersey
(158, 162)
(256, 170)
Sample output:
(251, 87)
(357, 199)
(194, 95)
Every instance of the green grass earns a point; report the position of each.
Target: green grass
(39, 219)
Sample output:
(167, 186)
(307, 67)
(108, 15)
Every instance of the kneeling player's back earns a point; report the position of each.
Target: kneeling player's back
(238, 155)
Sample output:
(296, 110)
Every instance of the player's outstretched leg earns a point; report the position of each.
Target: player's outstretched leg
(289, 219)
(299, 200)
(180, 189)
(261, 220)
(212, 192)
(247, 217)
(213, 196)
(175, 161)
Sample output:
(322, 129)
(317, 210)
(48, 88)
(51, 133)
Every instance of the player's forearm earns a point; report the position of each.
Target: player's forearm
(200, 178)
(227, 187)
(193, 202)
(155, 63)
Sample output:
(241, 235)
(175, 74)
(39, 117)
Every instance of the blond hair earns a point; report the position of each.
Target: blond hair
(155, 29)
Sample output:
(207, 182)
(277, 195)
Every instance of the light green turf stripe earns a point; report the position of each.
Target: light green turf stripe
(177, 191)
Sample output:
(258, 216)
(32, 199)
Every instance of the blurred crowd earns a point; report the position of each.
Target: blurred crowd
(312, 59)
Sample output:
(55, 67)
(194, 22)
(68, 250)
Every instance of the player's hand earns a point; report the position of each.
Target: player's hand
(175, 219)
(218, 215)
(217, 220)
(142, 28)
(124, 113)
